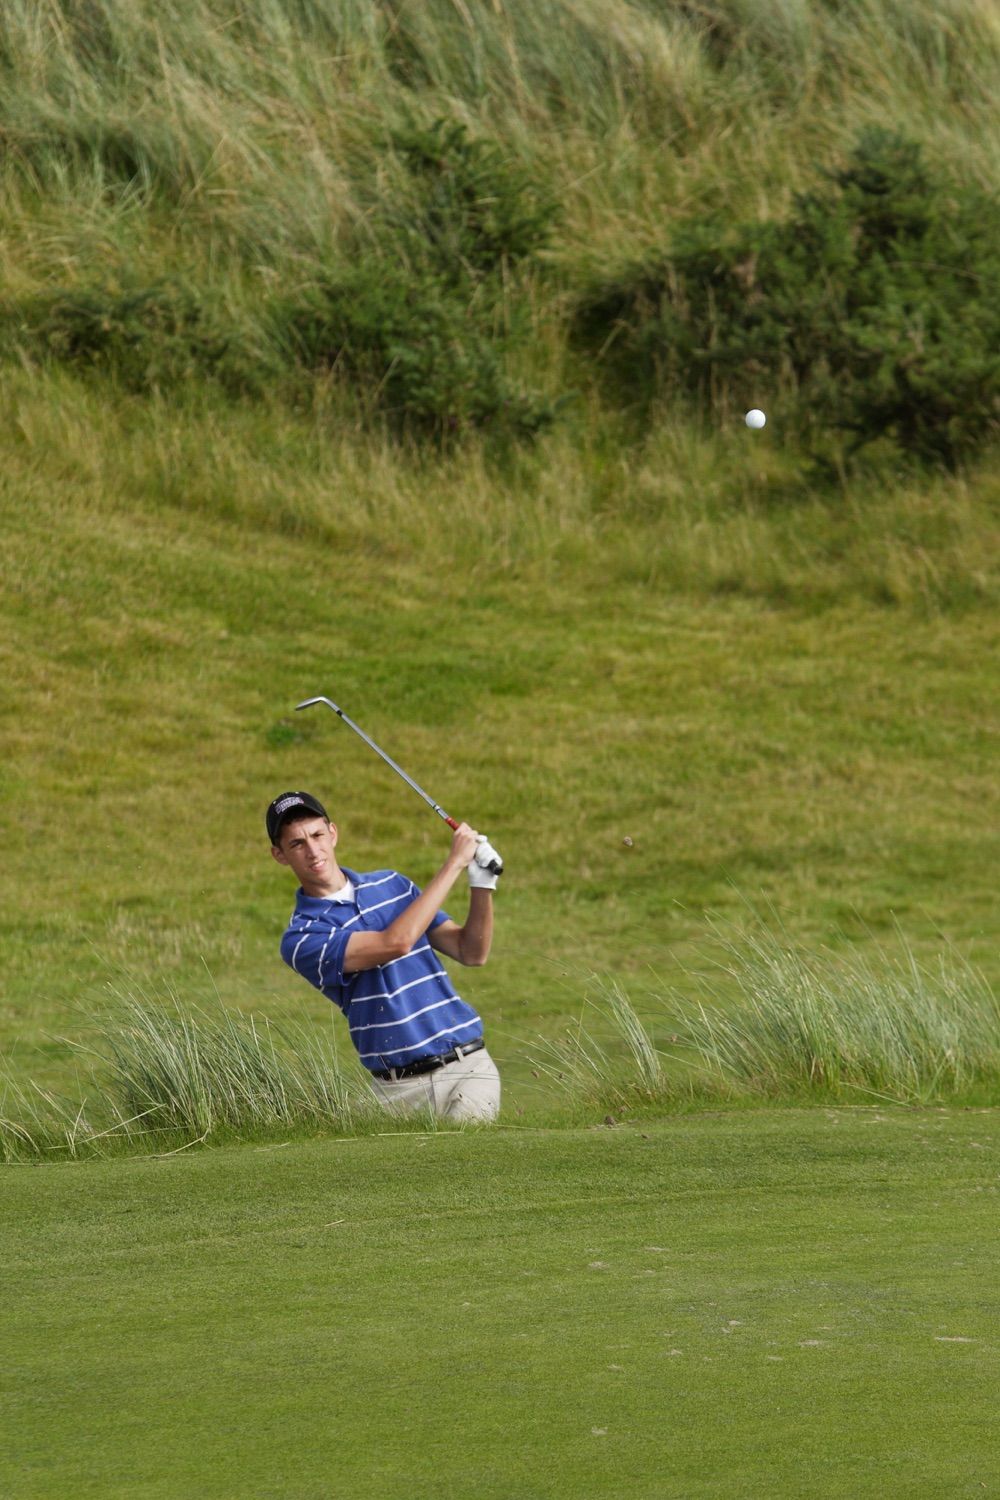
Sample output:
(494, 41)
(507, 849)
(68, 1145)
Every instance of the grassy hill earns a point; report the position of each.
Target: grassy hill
(822, 751)
(780, 690)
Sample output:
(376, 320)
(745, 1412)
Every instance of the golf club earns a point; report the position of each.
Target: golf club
(495, 866)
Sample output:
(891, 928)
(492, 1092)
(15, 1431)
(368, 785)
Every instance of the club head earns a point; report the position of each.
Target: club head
(311, 701)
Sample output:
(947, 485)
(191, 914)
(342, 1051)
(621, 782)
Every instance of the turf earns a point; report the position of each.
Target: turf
(793, 1303)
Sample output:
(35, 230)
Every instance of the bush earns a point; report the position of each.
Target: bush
(473, 211)
(875, 303)
(145, 338)
(422, 324)
(412, 350)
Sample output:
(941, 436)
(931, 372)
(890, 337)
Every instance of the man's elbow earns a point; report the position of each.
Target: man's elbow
(395, 947)
(474, 960)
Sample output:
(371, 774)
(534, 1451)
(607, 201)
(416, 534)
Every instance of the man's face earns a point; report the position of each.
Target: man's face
(307, 848)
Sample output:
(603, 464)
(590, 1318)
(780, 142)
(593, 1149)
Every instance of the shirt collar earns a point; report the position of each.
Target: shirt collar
(314, 905)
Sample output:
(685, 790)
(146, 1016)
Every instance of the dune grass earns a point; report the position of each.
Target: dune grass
(899, 1030)
(156, 1077)
(263, 129)
(765, 1020)
(242, 157)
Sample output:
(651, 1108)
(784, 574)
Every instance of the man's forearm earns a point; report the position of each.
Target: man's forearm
(477, 935)
(369, 950)
(412, 923)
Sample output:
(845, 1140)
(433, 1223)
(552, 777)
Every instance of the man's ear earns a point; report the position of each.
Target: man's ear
(279, 856)
(334, 834)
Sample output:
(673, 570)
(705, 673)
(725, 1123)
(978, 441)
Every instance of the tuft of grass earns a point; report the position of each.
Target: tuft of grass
(871, 1024)
(775, 1022)
(580, 1063)
(179, 1075)
(44, 1124)
(199, 1071)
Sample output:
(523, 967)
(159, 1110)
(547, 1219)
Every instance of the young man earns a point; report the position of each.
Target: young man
(368, 943)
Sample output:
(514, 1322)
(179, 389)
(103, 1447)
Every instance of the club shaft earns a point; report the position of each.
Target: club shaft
(380, 752)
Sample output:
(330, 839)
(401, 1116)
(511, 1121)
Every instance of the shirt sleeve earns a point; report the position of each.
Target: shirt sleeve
(317, 953)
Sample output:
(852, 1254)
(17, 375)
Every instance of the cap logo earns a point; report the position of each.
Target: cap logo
(295, 800)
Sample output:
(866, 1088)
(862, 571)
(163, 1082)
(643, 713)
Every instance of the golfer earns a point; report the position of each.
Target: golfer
(370, 944)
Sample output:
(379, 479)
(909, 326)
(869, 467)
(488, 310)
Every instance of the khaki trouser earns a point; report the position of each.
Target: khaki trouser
(467, 1089)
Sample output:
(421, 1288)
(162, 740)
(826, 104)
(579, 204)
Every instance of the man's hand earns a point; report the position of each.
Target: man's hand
(463, 846)
(486, 866)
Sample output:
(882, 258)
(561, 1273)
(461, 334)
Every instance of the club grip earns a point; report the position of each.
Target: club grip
(495, 866)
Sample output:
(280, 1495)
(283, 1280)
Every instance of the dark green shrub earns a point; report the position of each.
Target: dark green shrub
(412, 350)
(471, 210)
(876, 303)
(145, 338)
(425, 324)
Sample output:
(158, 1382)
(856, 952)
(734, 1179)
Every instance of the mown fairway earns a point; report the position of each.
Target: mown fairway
(791, 1303)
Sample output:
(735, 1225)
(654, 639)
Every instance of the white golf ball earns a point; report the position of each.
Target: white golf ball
(755, 418)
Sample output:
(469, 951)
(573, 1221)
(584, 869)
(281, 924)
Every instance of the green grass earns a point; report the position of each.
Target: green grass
(767, 1021)
(781, 694)
(779, 1303)
(736, 687)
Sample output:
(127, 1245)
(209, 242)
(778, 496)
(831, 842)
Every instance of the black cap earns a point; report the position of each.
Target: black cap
(299, 804)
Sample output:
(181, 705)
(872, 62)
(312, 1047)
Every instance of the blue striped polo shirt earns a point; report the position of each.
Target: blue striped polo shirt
(398, 1012)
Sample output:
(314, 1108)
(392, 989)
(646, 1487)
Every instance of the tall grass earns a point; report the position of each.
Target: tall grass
(779, 1023)
(773, 1022)
(697, 514)
(266, 129)
(861, 1026)
(217, 169)
(163, 1076)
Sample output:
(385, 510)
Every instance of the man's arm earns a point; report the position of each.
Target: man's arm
(469, 944)
(367, 950)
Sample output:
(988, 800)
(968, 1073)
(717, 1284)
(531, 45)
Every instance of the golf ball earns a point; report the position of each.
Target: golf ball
(755, 418)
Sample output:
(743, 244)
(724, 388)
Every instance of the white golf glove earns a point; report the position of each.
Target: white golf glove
(485, 867)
